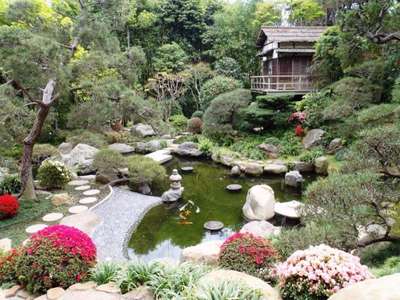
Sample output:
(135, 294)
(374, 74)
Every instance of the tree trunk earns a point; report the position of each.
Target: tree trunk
(28, 189)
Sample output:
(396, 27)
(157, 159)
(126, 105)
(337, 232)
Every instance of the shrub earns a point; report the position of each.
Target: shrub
(58, 255)
(222, 118)
(11, 184)
(373, 70)
(227, 290)
(396, 91)
(390, 266)
(41, 152)
(228, 67)
(379, 114)
(9, 206)
(248, 147)
(244, 252)
(309, 156)
(313, 105)
(53, 174)
(137, 274)
(179, 122)
(198, 114)
(105, 272)
(8, 262)
(108, 161)
(170, 58)
(216, 86)
(144, 170)
(87, 137)
(195, 125)
(205, 145)
(318, 272)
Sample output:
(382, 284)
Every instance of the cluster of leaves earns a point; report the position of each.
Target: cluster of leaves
(108, 162)
(144, 170)
(53, 174)
(11, 184)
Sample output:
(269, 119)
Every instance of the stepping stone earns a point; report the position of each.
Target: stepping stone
(234, 187)
(82, 188)
(187, 169)
(88, 200)
(52, 217)
(78, 182)
(91, 192)
(160, 156)
(35, 228)
(87, 177)
(213, 225)
(77, 209)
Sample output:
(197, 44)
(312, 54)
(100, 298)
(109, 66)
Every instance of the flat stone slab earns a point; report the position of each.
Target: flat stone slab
(86, 221)
(78, 182)
(160, 156)
(78, 209)
(290, 209)
(87, 177)
(119, 215)
(234, 187)
(82, 188)
(213, 225)
(88, 200)
(187, 169)
(52, 217)
(35, 228)
(91, 192)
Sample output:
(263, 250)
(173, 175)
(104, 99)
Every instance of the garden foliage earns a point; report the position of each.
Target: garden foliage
(9, 206)
(53, 174)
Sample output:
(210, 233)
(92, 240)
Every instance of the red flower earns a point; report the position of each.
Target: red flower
(9, 206)
(298, 116)
(298, 130)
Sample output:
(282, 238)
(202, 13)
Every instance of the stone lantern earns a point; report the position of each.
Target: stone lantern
(176, 189)
(175, 179)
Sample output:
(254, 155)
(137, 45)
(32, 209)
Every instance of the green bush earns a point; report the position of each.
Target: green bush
(170, 58)
(53, 174)
(280, 101)
(379, 114)
(179, 122)
(396, 91)
(11, 184)
(253, 255)
(216, 86)
(205, 145)
(198, 114)
(228, 67)
(309, 156)
(225, 291)
(390, 266)
(313, 104)
(138, 274)
(248, 147)
(107, 161)
(373, 70)
(222, 119)
(86, 137)
(105, 272)
(144, 170)
(289, 144)
(42, 152)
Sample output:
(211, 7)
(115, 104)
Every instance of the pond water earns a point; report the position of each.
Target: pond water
(164, 233)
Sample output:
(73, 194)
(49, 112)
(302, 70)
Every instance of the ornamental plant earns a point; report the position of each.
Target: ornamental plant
(9, 206)
(247, 253)
(53, 174)
(318, 272)
(58, 255)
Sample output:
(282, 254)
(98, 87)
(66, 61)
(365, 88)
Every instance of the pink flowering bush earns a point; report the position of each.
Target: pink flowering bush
(55, 256)
(318, 272)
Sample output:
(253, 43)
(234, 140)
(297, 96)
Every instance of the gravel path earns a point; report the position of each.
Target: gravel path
(120, 215)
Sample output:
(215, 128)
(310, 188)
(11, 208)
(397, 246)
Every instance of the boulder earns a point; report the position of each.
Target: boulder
(384, 288)
(105, 178)
(321, 165)
(65, 148)
(143, 130)
(5, 245)
(219, 276)
(121, 148)
(206, 252)
(144, 189)
(81, 158)
(251, 167)
(187, 149)
(291, 209)
(370, 233)
(275, 168)
(260, 202)
(62, 199)
(335, 145)
(235, 171)
(86, 221)
(313, 138)
(303, 167)
(261, 228)
(140, 293)
(160, 156)
(293, 178)
(150, 146)
(271, 150)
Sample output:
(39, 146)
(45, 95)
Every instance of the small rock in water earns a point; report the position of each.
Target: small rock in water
(187, 169)
(213, 225)
(234, 187)
(235, 171)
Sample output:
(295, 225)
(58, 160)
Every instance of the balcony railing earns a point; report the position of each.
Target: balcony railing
(281, 83)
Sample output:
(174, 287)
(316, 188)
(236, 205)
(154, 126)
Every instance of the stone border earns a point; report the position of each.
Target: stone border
(104, 199)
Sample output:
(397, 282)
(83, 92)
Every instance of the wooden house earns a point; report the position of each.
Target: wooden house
(286, 55)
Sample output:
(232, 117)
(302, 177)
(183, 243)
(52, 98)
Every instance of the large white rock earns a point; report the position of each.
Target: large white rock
(65, 148)
(313, 138)
(251, 167)
(143, 130)
(275, 168)
(219, 276)
(293, 178)
(291, 209)
(384, 288)
(188, 149)
(260, 203)
(81, 158)
(160, 156)
(261, 228)
(321, 165)
(207, 252)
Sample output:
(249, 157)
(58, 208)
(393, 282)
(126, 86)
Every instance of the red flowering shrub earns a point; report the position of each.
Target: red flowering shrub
(298, 130)
(298, 116)
(8, 262)
(244, 252)
(9, 206)
(55, 256)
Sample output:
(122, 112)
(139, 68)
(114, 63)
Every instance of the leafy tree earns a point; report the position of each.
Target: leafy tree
(228, 67)
(266, 13)
(216, 86)
(305, 12)
(170, 58)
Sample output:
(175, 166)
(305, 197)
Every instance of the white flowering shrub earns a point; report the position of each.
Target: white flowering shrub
(53, 174)
(318, 272)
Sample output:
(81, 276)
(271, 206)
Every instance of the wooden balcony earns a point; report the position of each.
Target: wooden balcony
(296, 84)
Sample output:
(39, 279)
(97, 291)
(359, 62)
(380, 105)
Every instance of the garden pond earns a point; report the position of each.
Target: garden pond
(166, 229)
